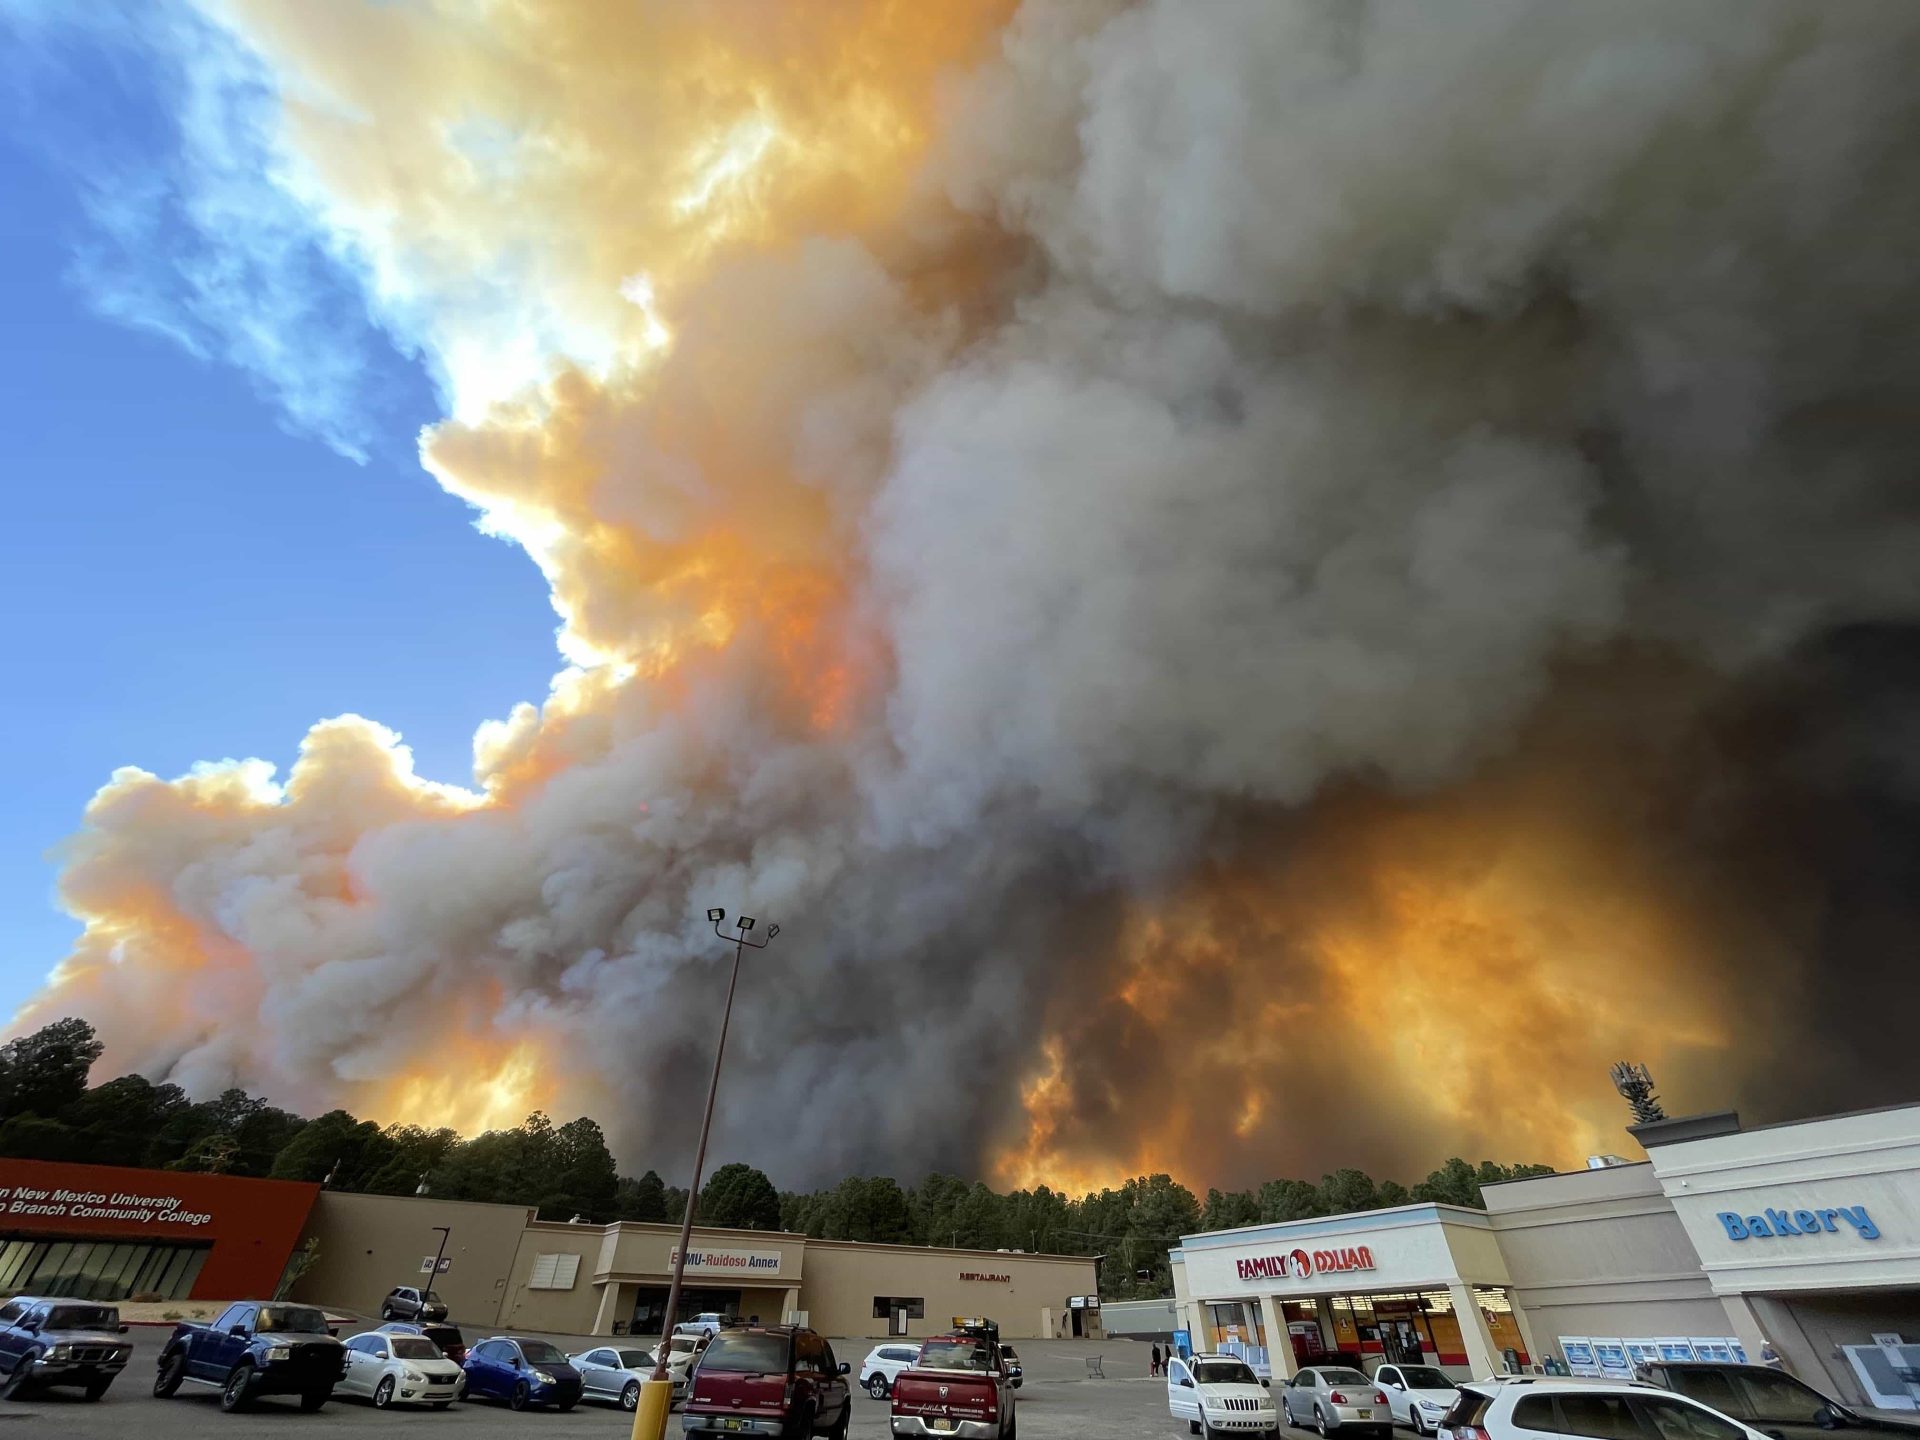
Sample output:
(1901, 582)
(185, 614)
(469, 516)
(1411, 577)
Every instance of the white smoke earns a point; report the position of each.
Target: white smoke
(1352, 366)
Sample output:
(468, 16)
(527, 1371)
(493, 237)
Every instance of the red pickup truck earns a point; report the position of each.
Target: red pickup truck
(958, 1385)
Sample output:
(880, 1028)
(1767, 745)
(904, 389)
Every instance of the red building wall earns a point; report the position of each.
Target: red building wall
(252, 1225)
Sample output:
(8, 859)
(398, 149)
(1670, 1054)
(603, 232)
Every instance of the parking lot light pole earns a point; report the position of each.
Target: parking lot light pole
(446, 1234)
(656, 1396)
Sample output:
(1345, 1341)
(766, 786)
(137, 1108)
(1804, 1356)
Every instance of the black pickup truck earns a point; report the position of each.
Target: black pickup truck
(255, 1348)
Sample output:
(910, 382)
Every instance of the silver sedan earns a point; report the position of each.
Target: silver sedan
(1335, 1397)
(615, 1373)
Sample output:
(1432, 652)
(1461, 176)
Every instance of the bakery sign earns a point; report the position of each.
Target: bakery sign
(1304, 1264)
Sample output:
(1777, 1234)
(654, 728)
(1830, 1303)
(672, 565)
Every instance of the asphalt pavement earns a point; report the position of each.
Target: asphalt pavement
(1057, 1402)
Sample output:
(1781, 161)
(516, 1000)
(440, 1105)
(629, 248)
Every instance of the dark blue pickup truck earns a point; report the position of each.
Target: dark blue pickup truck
(60, 1342)
(255, 1348)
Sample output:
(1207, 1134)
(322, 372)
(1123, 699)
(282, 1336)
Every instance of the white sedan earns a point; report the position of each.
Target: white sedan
(1417, 1395)
(1219, 1394)
(616, 1372)
(400, 1370)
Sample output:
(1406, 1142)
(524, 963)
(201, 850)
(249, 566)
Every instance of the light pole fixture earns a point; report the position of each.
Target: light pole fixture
(650, 1418)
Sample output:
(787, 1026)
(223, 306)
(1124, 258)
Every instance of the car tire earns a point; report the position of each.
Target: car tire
(564, 1406)
(630, 1396)
(877, 1386)
(173, 1369)
(383, 1393)
(1319, 1419)
(19, 1379)
(96, 1389)
(233, 1394)
(839, 1431)
(1013, 1426)
(1193, 1427)
(312, 1400)
(386, 1312)
(799, 1425)
(521, 1397)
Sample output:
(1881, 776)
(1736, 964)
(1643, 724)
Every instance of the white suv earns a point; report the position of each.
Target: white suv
(709, 1324)
(1523, 1408)
(1219, 1395)
(883, 1365)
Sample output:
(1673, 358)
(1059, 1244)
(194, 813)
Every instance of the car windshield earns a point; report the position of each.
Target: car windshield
(414, 1347)
(1781, 1397)
(682, 1345)
(746, 1352)
(432, 1297)
(1223, 1372)
(1344, 1377)
(291, 1320)
(1425, 1377)
(444, 1334)
(539, 1352)
(635, 1359)
(83, 1317)
(955, 1355)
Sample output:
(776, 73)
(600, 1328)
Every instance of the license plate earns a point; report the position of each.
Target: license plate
(729, 1423)
(1366, 1414)
(940, 1424)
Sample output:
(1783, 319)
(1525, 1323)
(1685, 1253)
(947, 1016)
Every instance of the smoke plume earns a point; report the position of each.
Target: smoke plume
(1256, 586)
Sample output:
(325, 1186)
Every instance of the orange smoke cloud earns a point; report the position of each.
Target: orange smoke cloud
(1066, 507)
(1465, 968)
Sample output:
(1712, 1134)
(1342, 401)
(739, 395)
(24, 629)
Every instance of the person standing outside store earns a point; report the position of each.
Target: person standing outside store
(1154, 1364)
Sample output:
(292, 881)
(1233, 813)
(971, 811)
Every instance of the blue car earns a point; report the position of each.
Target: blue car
(524, 1373)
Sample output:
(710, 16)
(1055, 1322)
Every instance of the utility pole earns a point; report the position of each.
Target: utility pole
(656, 1396)
(446, 1234)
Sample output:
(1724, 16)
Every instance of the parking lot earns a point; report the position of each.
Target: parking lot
(1057, 1402)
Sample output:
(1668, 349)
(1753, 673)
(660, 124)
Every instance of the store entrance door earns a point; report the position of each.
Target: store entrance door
(1400, 1342)
(897, 1325)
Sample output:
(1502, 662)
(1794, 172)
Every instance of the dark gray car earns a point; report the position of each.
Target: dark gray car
(50, 1341)
(1770, 1401)
(409, 1302)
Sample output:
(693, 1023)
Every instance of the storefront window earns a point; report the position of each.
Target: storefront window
(1497, 1306)
(99, 1270)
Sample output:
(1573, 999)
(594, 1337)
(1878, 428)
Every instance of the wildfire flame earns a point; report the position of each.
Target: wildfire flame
(1444, 964)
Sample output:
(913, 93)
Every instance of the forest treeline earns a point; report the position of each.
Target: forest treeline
(49, 1111)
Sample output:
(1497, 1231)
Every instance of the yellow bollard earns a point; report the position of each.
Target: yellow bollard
(650, 1416)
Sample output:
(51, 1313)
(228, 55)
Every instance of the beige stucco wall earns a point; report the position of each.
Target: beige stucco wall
(1601, 1252)
(843, 1279)
(554, 1312)
(371, 1243)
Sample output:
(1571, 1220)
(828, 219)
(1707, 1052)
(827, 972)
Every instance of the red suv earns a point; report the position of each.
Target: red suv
(769, 1380)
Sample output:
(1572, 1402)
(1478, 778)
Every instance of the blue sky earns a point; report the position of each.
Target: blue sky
(192, 565)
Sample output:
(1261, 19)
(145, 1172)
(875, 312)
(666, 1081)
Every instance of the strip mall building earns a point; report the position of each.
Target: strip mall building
(109, 1233)
(1802, 1239)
